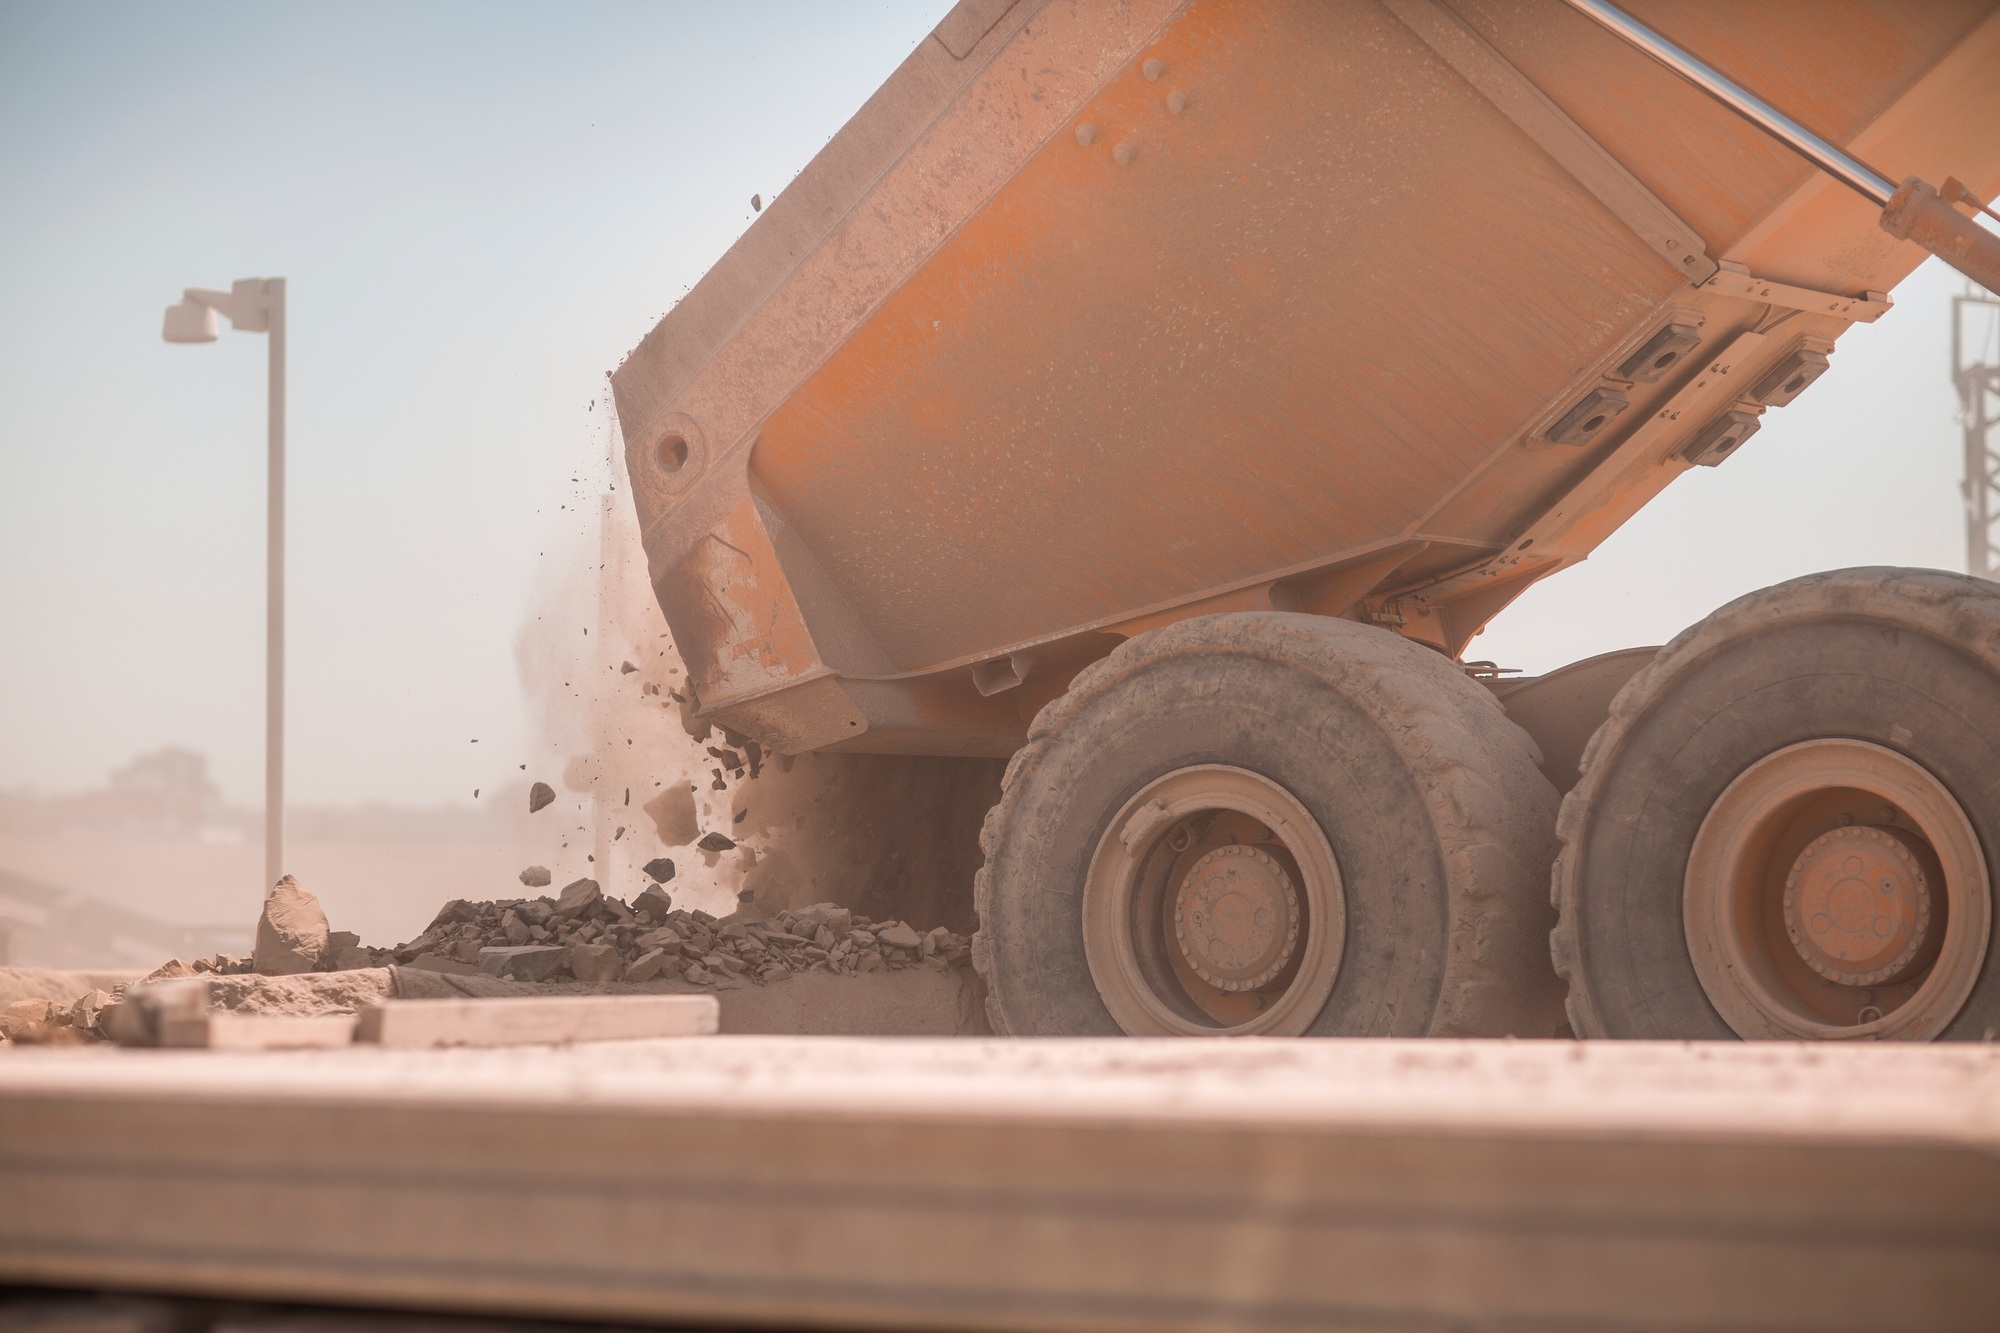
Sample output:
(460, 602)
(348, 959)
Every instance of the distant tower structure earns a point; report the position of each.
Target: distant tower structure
(1975, 367)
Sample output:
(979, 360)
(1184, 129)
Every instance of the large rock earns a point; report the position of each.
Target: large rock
(344, 953)
(579, 897)
(24, 1017)
(594, 964)
(836, 919)
(444, 962)
(528, 962)
(646, 966)
(291, 933)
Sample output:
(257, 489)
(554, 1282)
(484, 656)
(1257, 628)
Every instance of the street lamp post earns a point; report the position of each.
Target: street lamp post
(257, 305)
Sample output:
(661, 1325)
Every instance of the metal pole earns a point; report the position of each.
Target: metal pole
(274, 598)
(1976, 374)
(1827, 156)
(602, 810)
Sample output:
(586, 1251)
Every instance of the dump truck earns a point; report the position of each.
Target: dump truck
(1160, 396)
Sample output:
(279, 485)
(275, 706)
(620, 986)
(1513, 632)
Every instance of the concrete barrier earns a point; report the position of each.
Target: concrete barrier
(1028, 1184)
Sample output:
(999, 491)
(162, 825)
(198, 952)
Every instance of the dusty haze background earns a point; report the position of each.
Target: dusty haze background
(480, 208)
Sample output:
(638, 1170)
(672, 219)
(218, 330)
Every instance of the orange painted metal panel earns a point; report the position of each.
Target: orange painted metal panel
(1121, 312)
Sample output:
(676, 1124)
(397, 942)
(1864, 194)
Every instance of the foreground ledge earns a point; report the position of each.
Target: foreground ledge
(1027, 1184)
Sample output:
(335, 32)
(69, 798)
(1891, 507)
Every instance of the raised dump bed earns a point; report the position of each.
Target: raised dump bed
(1352, 321)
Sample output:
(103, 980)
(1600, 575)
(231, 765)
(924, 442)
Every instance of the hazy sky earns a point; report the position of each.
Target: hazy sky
(480, 208)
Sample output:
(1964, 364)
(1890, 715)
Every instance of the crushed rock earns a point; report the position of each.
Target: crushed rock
(590, 937)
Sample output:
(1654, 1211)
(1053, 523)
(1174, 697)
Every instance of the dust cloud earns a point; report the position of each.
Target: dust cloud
(639, 776)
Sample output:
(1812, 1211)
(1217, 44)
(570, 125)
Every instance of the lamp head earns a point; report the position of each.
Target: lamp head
(189, 321)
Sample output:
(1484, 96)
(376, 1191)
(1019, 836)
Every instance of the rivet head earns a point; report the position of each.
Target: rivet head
(1153, 68)
(1177, 101)
(1125, 153)
(1086, 134)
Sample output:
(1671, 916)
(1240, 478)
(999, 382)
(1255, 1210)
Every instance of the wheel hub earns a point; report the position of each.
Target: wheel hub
(1236, 918)
(1857, 906)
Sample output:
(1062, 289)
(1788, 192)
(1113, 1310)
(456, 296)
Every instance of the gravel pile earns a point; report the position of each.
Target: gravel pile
(584, 935)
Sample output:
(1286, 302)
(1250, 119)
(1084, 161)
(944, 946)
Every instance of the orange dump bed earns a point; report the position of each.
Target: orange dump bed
(1101, 315)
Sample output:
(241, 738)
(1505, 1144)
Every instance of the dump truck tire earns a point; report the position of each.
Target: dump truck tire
(1785, 828)
(1386, 825)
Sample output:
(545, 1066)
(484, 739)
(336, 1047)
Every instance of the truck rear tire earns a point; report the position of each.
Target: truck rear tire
(1785, 828)
(1270, 824)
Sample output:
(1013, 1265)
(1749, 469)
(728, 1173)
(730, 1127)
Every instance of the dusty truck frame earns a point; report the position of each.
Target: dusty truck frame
(1164, 395)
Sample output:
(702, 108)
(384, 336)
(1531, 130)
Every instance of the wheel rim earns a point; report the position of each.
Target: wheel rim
(1213, 907)
(1836, 890)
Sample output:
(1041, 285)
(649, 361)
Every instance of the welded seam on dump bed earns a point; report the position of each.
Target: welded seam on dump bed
(1486, 550)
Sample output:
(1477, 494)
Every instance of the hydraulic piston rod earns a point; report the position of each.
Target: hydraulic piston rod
(1912, 211)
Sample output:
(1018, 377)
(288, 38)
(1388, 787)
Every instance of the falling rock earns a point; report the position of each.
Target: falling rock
(898, 934)
(579, 897)
(653, 901)
(645, 967)
(626, 668)
(537, 877)
(674, 816)
(291, 932)
(716, 842)
(595, 964)
(527, 962)
(661, 868)
(540, 796)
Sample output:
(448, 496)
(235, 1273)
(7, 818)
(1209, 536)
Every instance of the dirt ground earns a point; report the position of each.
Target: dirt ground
(918, 1002)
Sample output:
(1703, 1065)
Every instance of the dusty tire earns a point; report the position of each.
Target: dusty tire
(1428, 798)
(1849, 717)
